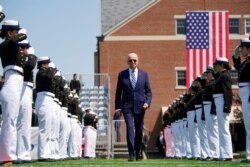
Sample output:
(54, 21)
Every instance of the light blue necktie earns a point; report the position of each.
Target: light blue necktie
(133, 80)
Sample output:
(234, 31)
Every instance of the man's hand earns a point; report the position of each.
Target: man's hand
(145, 106)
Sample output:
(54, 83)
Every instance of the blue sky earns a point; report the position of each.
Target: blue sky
(64, 30)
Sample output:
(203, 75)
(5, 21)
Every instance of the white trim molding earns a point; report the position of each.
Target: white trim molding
(178, 37)
(246, 16)
(179, 16)
(234, 16)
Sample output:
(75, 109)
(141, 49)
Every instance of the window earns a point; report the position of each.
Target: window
(234, 26)
(181, 26)
(181, 78)
(247, 26)
(234, 77)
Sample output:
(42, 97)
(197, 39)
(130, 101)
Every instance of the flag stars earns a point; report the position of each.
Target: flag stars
(197, 30)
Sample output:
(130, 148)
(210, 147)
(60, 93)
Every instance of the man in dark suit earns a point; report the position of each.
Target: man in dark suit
(160, 144)
(75, 84)
(133, 98)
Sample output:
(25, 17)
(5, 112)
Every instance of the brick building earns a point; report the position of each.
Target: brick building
(155, 30)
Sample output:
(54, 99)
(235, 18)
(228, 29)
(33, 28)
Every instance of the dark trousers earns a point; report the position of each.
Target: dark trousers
(134, 126)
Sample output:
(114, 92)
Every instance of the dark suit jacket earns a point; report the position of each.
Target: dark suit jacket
(127, 98)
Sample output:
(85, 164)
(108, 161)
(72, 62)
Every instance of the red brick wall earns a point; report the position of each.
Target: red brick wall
(159, 58)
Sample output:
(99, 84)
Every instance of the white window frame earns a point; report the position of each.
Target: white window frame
(246, 17)
(178, 17)
(176, 77)
(238, 25)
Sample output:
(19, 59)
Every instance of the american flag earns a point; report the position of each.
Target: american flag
(207, 37)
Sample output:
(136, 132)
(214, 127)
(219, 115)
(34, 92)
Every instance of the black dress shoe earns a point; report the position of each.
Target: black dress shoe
(245, 161)
(138, 157)
(131, 158)
(226, 159)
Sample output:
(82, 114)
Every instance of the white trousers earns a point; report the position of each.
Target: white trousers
(175, 138)
(193, 135)
(188, 147)
(183, 139)
(90, 135)
(225, 141)
(202, 133)
(244, 96)
(10, 101)
(79, 140)
(212, 131)
(24, 124)
(169, 142)
(73, 144)
(55, 131)
(69, 128)
(44, 108)
(63, 133)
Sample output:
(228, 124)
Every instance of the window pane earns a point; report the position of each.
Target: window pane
(247, 29)
(234, 26)
(181, 26)
(181, 78)
(234, 77)
(248, 25)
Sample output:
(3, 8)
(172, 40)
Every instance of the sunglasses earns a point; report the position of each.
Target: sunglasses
(132, 60)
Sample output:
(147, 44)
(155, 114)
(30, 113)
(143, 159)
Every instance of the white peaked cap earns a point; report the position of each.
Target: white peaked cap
(58, 73)
(66, 86)
(52, 65)
(92, 112)
(31, 50)
(210, 66)
(88, 108)
(22, 31)
(26, 41)
(43, 58)
(223, 59)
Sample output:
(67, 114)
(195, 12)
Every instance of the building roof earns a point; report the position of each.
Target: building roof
(115, 11)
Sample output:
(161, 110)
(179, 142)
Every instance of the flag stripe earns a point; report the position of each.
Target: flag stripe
(220, 34)
(227, 33)
(207, 38)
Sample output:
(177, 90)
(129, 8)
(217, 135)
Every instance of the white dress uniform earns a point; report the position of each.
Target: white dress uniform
(89, 135)
(244, 85)
(201, 125)
(63, 134)
(211, 121)
(25, 111)
(223, 100)
(175, 138)
(193, 130)
(56, 115)
(44, 107)
(10, 94)
(202, 132)
(73, 139)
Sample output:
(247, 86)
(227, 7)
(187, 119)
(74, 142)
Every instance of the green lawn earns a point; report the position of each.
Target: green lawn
(124, 162)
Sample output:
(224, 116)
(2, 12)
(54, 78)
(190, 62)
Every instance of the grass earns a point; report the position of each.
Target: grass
(125, 163)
